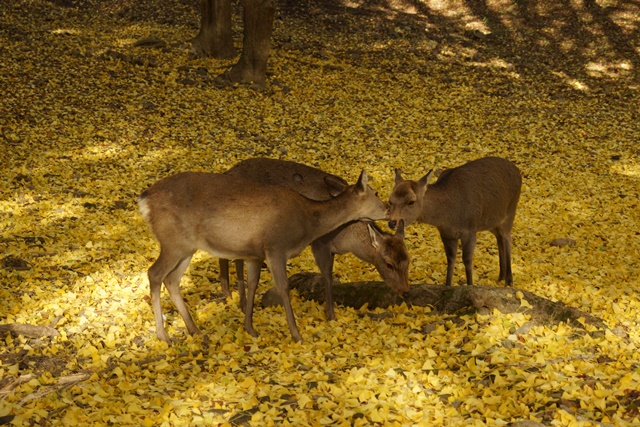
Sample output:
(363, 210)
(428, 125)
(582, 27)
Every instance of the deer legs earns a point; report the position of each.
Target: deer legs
(504, 252)
(166, 269)
(468, 246)
(503, 238)
(224, 280)
(279, 272)
(324, 259)
(253, 276)
(451, 249)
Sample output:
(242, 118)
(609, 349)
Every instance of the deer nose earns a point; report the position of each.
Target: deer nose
(405, 294)
(392, 224)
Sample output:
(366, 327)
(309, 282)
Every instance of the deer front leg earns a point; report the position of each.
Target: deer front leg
(253, 275)
(324, 259)
(279, 272)
(450, 250)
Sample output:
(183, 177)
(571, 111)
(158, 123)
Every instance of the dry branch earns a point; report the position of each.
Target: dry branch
(63, 382)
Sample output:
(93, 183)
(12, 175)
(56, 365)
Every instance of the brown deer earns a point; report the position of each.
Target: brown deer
(479, 195)
(387, 252)
(235, 218)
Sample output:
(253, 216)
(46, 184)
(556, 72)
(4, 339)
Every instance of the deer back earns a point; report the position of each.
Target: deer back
(306, 180)
(231, 217)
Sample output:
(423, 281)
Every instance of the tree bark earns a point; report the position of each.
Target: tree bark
(215, 37)
(258, 25)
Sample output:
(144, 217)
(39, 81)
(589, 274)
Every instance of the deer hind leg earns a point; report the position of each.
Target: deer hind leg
(450, 249)
(501, 253)
(168, 267)
(253, 276)
(172, 283)
(503, 237)
(468, 247)
(324, 259)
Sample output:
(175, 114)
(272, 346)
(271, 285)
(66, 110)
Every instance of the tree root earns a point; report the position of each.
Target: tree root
(447, 300)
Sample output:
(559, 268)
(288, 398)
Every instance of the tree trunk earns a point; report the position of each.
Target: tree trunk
(258, 25)
(215, 37)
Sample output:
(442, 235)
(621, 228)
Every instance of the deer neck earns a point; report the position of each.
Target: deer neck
(354, 238)
(434, 204)
(331, 214)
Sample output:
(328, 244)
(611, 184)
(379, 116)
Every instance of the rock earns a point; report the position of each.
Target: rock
(563, 241)
(271, 298)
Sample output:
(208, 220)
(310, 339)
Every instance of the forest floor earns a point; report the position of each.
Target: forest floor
(88, 120)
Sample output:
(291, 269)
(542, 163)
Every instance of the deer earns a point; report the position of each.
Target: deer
(235, 218)
(479, 195)
(387, 252)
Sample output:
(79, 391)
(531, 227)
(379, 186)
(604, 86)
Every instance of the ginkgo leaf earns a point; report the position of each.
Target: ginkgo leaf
(88, 120)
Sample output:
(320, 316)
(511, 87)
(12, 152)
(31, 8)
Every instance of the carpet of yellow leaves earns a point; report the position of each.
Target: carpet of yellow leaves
(88, 121)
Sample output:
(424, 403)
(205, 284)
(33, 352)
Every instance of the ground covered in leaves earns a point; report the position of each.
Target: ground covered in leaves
(89, 118)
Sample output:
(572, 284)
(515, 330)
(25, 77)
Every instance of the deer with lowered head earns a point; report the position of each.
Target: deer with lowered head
(387, 252)
(479, 195)
(235, 218)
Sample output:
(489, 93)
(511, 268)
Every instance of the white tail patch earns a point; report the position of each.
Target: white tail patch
(143, 205)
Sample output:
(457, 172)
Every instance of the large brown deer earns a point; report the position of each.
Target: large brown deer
(235, 218)
(479, 195)
(387, 252)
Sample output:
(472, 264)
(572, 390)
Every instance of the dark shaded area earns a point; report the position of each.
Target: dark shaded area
(540, 39)
(527, 41)
(445, 300)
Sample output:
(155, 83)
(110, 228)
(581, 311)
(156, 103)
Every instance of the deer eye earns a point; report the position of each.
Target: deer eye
(411, 203)
(389, 266)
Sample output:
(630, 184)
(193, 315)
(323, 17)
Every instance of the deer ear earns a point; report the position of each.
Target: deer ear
(398, 175)
(373, 235)
(335, 185)
(400, 229)
(297, 177)
(424, 181)
(361, 185)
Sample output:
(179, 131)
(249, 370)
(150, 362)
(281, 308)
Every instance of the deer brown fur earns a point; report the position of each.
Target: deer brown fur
(387, 252)
(480, 195)
(235, 218)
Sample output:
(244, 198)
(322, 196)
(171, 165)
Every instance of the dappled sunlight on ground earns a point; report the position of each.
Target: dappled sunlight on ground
(417, 85)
